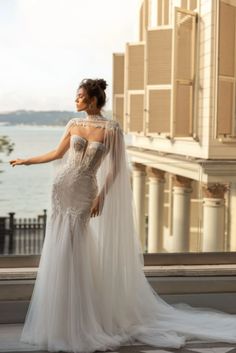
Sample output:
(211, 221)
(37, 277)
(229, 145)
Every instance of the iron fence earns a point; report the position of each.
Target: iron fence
(22, 235)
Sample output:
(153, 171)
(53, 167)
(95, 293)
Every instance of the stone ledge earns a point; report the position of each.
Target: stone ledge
(190, 270)
(150, 259)
(18, 273)
(150, 271)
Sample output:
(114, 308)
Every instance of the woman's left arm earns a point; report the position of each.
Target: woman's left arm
(47, 157)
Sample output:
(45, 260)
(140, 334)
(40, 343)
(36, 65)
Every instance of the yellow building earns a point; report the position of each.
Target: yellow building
(174, 92)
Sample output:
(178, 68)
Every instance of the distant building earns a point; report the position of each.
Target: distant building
(174, 91)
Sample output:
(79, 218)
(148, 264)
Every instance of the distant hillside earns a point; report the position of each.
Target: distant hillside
(30, 117)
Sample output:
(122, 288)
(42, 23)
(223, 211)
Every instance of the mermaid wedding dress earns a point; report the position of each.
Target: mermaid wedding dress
(90, 292)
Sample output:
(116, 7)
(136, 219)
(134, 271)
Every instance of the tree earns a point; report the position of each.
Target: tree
(6, 146)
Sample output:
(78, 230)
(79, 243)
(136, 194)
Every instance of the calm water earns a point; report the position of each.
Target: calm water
(25, 190)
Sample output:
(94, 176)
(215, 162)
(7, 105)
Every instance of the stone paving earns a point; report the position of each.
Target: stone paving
(10, 333)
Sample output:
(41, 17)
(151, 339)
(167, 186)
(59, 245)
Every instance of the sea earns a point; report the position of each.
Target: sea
(26, 190)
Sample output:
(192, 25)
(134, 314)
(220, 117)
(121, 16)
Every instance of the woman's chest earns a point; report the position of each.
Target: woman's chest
(86, 152)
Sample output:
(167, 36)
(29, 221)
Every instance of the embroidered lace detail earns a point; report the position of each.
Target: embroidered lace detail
(102, 122)
(75, 184)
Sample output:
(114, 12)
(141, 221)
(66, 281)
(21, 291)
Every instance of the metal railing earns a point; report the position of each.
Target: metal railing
(22, 235)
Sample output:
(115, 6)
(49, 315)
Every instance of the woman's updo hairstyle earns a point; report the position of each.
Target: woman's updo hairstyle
(95, 88)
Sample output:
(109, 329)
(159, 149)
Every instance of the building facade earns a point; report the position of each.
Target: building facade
(174, 92)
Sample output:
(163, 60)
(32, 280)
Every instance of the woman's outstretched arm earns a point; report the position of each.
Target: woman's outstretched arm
(47, 157)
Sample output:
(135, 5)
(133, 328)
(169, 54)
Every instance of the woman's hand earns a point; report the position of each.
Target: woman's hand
(17, 161)
(97, 206)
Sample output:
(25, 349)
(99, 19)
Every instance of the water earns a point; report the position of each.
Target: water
(25, 190)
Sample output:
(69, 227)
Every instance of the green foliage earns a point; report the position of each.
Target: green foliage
(6, 146)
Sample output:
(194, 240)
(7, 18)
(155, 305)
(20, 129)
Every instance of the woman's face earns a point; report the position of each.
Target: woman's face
(82, 100)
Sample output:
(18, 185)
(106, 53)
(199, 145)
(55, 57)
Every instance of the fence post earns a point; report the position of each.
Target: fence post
(2, 233)
(44, 222)
(11, 231)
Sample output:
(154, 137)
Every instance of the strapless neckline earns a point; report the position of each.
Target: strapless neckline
(87, 141)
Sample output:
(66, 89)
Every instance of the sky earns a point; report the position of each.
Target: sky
(48, 46)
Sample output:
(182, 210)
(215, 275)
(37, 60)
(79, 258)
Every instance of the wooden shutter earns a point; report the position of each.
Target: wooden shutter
(159, 43)
(226, 70)
(119, 110)
(225, 107)
(118, 88)
(135, 114)
(159, 110)
(183, 72)
(227, 40)
(118, 73)
(135, 66)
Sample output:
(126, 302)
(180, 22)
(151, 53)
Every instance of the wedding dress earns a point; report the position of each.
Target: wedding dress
(90, 292)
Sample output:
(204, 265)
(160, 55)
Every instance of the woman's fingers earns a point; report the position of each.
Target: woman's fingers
(95, 211)
(12, 162)
(17, 161)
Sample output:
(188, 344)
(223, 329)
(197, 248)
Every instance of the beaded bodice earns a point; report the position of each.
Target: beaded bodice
(75, 184)
(85, 155)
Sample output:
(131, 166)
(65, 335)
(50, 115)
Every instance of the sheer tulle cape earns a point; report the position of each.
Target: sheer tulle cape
(129, 307)
(129, 303)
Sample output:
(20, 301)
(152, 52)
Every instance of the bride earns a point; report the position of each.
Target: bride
(90, 292)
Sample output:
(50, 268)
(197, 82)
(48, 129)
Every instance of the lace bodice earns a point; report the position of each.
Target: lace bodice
(75, 184)
(84, 155)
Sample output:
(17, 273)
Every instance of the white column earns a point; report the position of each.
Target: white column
(232, 216)
(155, 209)
(139, 200)
(213, 217)
(181, 213)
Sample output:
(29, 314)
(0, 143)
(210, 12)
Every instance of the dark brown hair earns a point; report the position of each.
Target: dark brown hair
(95, 88)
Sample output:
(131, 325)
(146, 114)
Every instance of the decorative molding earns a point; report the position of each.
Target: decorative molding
(181, 181)
(214, 191)
(139, 167)
(155, 173)
(203, 170)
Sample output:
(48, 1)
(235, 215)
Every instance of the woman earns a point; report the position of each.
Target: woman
(90, 292)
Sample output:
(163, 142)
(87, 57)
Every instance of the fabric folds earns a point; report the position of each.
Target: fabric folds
(91, 292)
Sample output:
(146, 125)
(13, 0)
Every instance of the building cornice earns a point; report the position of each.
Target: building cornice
(204, 170)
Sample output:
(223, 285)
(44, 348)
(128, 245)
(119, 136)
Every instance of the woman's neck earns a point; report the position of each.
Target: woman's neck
(93, 112)
(94, 116)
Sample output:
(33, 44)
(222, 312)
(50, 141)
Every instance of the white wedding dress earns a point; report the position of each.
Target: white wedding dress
(90, 292)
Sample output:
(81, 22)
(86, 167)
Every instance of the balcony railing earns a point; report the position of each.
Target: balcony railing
(22, 235)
